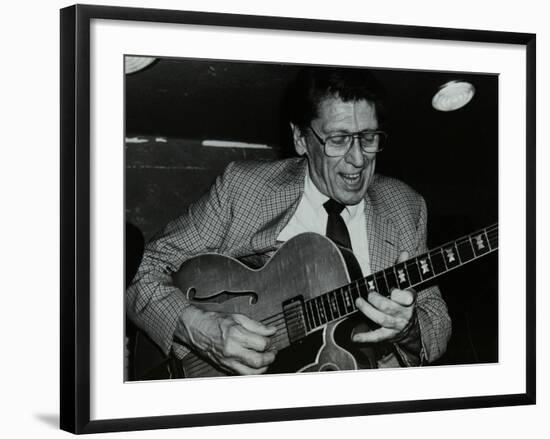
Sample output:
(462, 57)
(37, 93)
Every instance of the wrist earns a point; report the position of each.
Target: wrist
(410, 333)
(187, 323)
(408, 345)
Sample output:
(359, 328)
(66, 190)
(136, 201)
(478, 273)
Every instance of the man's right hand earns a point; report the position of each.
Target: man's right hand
(234, 342)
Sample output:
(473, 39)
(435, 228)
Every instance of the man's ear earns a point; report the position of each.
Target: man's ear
(299, 139)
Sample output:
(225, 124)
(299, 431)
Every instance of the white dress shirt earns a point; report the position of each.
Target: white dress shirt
(311, 216)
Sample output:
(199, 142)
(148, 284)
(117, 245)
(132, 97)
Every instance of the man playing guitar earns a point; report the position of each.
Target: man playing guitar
(253, 208)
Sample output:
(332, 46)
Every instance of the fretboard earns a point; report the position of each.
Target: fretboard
(340, 302)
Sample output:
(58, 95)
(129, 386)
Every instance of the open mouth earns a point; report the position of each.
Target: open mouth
(351, 179)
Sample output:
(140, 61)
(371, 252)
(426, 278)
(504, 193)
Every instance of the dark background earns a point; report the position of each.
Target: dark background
(451, 158)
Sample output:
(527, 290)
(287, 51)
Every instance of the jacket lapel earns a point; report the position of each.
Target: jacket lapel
(382, 236)
(279, 204)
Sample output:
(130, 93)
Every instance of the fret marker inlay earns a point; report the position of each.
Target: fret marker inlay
(479, 242)
(402, 276)
(450, 254)
(424, 266)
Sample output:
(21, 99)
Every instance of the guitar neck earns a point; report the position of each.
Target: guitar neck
(340, 303)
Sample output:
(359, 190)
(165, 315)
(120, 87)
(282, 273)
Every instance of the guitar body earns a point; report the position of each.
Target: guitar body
(331, 355)
(307, 265)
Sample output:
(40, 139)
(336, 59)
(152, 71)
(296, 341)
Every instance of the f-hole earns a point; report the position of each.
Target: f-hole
(222, 296)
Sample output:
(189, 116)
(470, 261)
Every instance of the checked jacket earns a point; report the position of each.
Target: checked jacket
(242, 215)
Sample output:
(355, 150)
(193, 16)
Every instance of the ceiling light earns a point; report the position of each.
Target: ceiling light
(134, 64)
(453, 95)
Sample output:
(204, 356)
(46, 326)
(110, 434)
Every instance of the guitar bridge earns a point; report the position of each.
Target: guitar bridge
(293, 311)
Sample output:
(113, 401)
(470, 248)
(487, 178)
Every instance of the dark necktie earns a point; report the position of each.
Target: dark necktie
(336, 227)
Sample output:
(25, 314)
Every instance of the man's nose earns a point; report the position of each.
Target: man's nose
(355, 155)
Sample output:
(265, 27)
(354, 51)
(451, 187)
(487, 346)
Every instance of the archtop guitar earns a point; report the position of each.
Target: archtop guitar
(305, 291)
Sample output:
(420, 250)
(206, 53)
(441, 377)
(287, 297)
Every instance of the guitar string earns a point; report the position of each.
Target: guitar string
(270, 321)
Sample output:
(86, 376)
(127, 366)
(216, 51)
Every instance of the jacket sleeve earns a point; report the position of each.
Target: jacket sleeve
(433, 321)
(153, 303)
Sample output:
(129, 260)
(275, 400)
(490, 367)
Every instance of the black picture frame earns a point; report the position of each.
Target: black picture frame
(75, 217)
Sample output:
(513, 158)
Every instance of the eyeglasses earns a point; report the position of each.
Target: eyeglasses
(337, 145)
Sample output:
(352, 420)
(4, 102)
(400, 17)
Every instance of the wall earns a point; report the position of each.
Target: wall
(163, 178)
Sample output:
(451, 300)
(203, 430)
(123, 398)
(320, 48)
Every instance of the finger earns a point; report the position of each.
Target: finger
(403, 256)
(374, 314)
(251, 340)
(384, 304)
(403, 297)
(242, 369)
(376, 336)
(253, 359)
(254, 326)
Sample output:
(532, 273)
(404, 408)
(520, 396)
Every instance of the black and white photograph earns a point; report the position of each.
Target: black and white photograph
(285, 218)
(275, 219)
